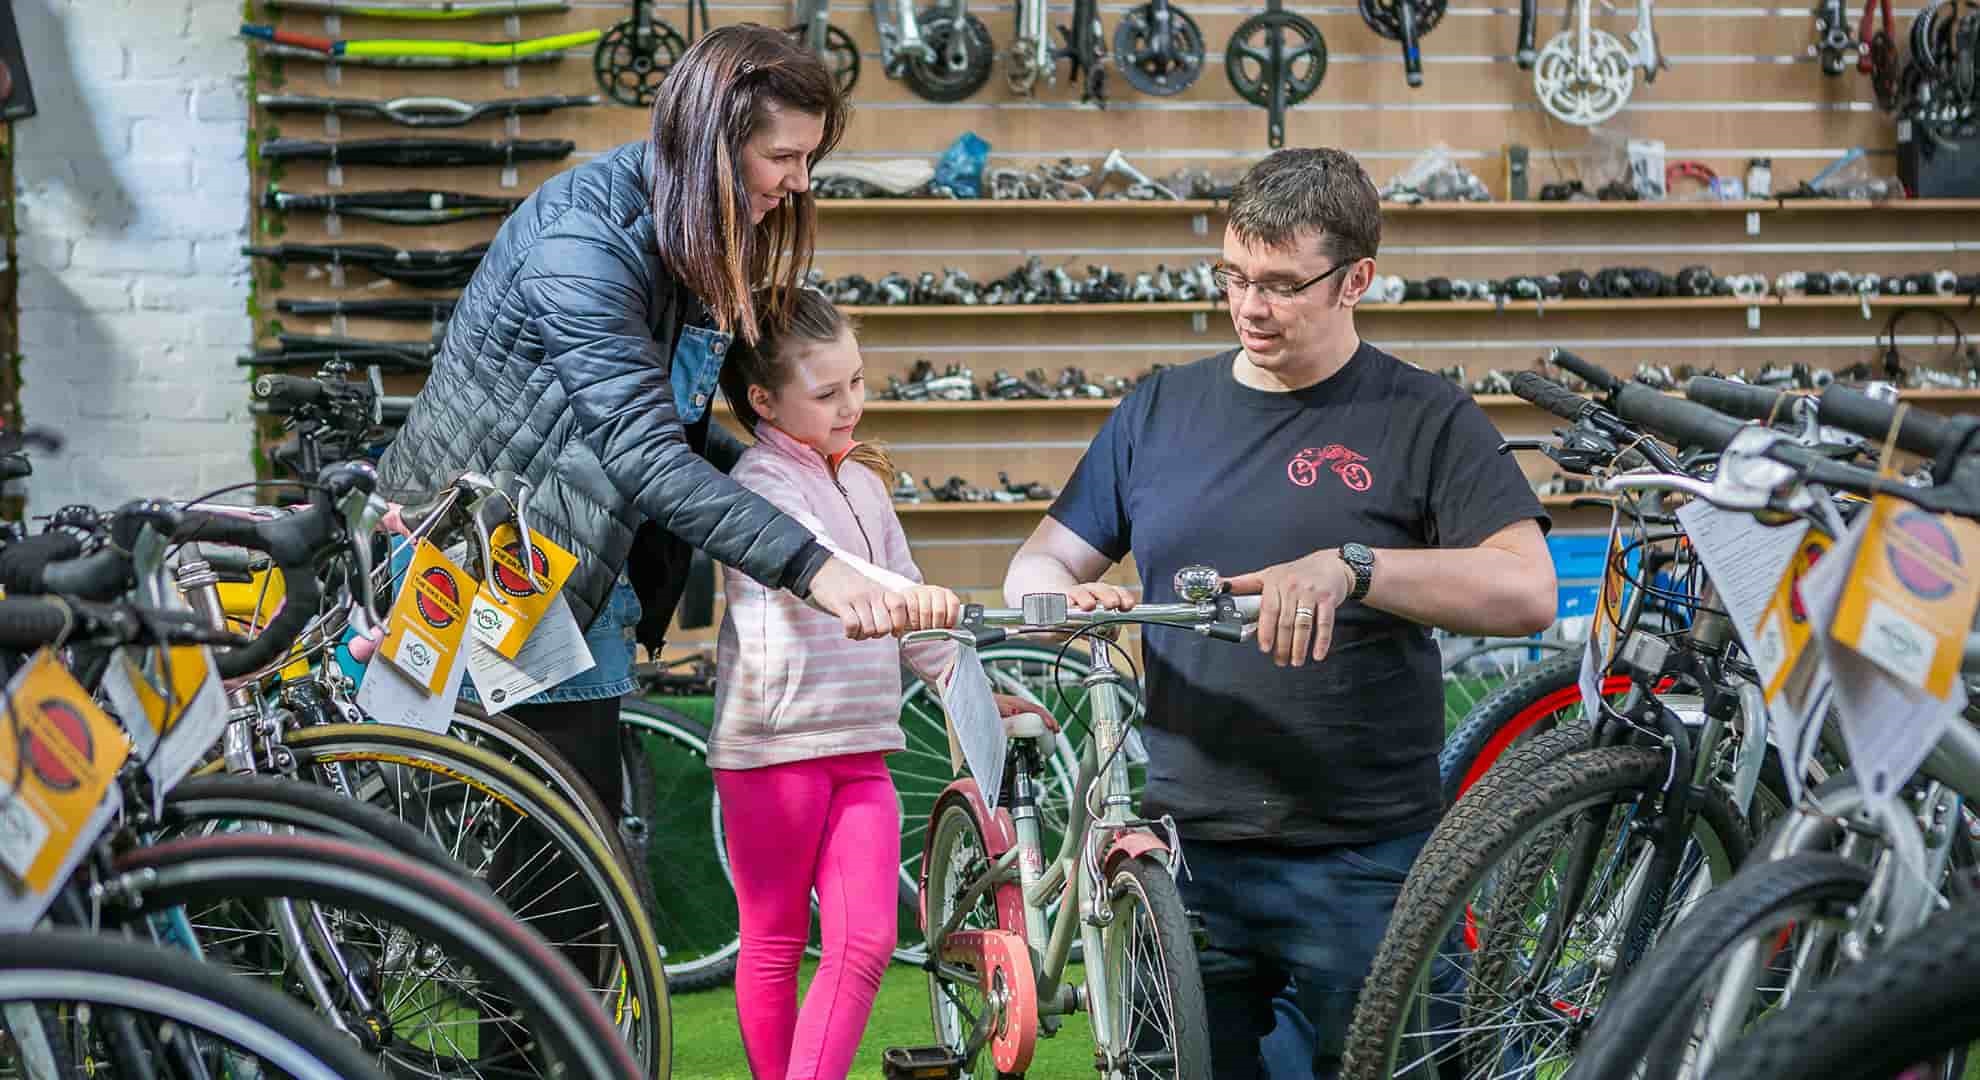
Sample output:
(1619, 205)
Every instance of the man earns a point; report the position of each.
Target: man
(1365, 502)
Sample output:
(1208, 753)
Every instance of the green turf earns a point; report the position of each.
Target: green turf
(707, 1045)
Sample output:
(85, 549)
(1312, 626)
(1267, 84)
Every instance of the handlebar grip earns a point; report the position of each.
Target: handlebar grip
(102, 576)
(1743, 400)
(233, 565)
(28, 624)
(1594, 375)
(1677, 421)
(290, 391)
(1551, 396)
(1857, 412)
(22, 564)
(292, 542)
(394, 408)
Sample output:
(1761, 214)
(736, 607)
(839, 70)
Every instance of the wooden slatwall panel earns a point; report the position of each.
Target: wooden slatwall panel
(1741, 85)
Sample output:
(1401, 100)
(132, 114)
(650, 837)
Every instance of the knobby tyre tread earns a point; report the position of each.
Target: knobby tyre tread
(1529, 786)
(123, 973)
(541, 984)
(1497, 709)
(1913, 1001)
(1660, 992)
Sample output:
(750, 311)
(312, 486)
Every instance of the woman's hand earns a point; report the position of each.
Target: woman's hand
(1009, 705)
(930, 607)
(867, 608)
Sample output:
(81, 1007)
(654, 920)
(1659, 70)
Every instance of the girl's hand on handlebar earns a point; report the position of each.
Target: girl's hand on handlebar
(867, 608)
(930, 607)
(1096, 595)
(1009, 705)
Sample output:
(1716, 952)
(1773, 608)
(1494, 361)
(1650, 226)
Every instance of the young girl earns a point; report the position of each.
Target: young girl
(804, 716)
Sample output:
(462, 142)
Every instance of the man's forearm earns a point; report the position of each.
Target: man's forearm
(1036, 572)
(1481, 590)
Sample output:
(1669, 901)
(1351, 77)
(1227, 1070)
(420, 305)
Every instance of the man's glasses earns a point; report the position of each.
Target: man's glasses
(1234, 283)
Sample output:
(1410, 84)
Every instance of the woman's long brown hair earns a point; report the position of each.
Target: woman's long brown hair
(712, 102)
(766, 362)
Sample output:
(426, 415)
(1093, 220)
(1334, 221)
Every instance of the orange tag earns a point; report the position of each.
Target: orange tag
(187, 666)
(1609, 601)
(428, 621)
(64, 752)
(509, 606)
(1784, 632)
(1911, 593)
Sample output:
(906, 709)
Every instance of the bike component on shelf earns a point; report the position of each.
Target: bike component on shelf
(1405, 21)
(1272, 72)
(1584, 75)
(406, 309)
(635, 55)
(1057, 182)
(393, 207)
(1139, 185)
(422, 112)
(961, 52)
(1760, 178)
(900, 36)
(1690, 170)
(428, 269)
(1085, 50)
(1033, 492)
(1159, 48)
(1524, 53)
(1030, 57)
(1832, 40)
(1643, 40)
(418, 153)
(421, 10)
(414, 52)
(829, 43)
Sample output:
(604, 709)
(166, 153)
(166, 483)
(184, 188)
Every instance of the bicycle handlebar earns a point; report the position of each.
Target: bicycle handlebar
(1591, 374)
(1227, 618)
(1680, 422)
(1552, 396)
(1856, 412)
(1738, 399)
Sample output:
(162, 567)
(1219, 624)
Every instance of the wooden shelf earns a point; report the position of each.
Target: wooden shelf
(1213, 206)
(1009, 206)
(1880, 301)
(1028, 506)
(867, 311)
(1487, 307)
(1427, 307)
(1514, 401)
(1794, 206)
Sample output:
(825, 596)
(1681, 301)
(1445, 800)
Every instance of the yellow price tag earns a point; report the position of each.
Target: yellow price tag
(428, 621)
(59, 753)
(1784, 632)
(1609, 598)
(1911, 593)
(184, 667)
(509, 605)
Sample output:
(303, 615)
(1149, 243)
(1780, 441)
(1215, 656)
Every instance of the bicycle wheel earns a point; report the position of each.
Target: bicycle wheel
(1152, 979)
(571, 881)
(957, 859)
(1473, 669)
(1915, 1002)
(673, 795)
(225, 802)
(1481, 968)
(1542, 697)
(437, 978)
(69, 997)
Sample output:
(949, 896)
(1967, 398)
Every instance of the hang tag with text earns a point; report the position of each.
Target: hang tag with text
(555, 652)
(59, 755)
(1911, 592)
(172, 704)
(508, 606)
(428, 621)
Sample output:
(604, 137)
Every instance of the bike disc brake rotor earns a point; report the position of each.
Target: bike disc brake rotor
(630, 63)
(840, 55)
(1579, 93)
(943, 80)
(1248, 57)
(1382, 17)
(1165, 72)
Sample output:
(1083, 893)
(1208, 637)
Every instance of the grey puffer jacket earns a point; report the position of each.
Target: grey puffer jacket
(556, 367)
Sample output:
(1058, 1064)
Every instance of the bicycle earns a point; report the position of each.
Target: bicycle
(997, 956)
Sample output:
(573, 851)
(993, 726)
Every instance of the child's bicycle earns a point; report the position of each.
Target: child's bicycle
(997, 954)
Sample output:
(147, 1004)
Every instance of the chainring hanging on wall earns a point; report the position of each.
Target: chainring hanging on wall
(1274, 60)
(1584, 90)
(1151, 65)
(633, 58)
(841, 56)
(1406, 21)
(962, 49)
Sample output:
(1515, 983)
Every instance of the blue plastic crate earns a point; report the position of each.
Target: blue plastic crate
(1578, 555)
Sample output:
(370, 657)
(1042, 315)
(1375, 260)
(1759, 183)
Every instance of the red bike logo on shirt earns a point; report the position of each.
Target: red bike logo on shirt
(1304, 468)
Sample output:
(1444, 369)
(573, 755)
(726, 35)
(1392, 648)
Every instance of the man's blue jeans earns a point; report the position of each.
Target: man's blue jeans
(1312, 918)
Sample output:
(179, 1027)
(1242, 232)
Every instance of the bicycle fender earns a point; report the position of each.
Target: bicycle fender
(1132, 844)
(999, 836)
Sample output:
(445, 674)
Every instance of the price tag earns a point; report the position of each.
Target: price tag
(173, 706)
(1910, 595)
(508, 606)
(1780, 642)
(555, 652)
(59, 754)
(428, 621)
(1600, 647)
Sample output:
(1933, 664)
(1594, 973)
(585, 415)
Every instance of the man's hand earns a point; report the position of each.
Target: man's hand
(930, 607)
(1009, 705)
(867, 608)
(1296, 605)
(1097, 595)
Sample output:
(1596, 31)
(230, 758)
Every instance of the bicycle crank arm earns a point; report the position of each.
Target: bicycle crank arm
(1526, 52)
(1643, 41)
(418, 153)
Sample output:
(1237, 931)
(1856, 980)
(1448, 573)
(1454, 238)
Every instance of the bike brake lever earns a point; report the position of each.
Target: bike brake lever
(523, 541)
(1507, 446)
(363, 512)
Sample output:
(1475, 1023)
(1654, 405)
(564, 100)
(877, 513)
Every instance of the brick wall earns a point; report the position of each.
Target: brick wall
(133, 205)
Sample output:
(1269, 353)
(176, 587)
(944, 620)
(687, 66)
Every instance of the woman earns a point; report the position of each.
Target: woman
(583, 357)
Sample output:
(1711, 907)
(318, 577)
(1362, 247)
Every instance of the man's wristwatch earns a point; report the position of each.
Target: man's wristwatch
(1362, 561)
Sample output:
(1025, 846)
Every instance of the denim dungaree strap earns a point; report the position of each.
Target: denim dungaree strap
(697, 364)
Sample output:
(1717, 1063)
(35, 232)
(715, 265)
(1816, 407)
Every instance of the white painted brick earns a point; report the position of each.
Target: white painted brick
(186, 295)
(191, 217)
(103, 253)
(47, 332)
(215, 257)
(135, 330)
(132, 99)
(41, 290)
(211, 53)
(114, 480)
(45, 249)
(222, 101)
(226, 329)
(213, 141)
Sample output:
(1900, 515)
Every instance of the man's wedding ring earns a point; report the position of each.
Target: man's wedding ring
(1304, 614)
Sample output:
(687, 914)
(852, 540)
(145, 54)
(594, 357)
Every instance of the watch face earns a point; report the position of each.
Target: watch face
(1357, 553)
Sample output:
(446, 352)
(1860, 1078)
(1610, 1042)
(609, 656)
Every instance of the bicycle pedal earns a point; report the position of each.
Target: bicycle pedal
(921, 1063)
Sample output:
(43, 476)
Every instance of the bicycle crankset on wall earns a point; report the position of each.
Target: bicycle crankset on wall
(1159, 48)
(961, 49)
(832, 44)
(634, 56)
(1275, 60)
(1584, 75)
(1406, 21)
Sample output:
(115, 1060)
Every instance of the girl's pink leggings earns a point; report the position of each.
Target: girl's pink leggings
(830, 824)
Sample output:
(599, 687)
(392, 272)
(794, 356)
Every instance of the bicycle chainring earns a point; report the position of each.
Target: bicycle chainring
(1160, 72)
(1584, 93)
(1383, 18)
(941, 80)
(1248, 61)
(841, 56)
(634, 57)
(1010, 991)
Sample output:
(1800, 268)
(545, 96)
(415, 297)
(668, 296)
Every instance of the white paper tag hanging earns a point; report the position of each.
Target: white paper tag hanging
(973, 717)
(553, 652)
(388, 696)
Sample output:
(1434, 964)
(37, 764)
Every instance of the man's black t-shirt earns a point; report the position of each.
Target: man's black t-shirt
(1194, 467)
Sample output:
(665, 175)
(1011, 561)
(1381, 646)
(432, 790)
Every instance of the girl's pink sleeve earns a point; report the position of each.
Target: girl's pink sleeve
(789, 496)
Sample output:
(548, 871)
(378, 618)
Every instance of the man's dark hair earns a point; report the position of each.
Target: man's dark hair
(1322, 189)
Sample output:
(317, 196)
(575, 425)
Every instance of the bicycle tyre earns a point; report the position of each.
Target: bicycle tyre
(125, 974)
(1180, 993)
(1538, 783)
(639, 950)
(1915, 1001)
(529, 973)
(955, 858)
(1661, 991)
(1528, 702)
(695, 862)
(278, 800)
